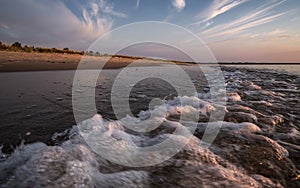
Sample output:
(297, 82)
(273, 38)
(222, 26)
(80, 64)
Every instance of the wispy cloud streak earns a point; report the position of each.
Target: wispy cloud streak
(97, 16)
(261, 15)
(217, 8)
(137, 4)
(109, 9)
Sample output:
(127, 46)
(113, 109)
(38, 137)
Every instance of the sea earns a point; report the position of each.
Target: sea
(42, 142)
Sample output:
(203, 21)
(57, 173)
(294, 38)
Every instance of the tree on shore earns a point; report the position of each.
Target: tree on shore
(17, 45)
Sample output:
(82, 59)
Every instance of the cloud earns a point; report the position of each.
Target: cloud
(137, 3)
(178, 4)
(276, 34)
(93, 21)
(259, 47)
(217, 8)
(52, 23)
(245, 26)
(260, 16)
(109, 9)
(234, 41)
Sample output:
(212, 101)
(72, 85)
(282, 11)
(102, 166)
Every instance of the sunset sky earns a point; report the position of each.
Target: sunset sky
(234, 30)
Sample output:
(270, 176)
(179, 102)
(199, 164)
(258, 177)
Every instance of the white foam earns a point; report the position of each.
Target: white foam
(74, 164)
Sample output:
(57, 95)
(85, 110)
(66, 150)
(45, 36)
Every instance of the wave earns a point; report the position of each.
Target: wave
(256, 146)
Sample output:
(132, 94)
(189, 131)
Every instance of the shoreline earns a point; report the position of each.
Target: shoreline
(34, 61)
(23, 61)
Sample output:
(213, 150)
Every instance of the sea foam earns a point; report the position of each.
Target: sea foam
(247, 152)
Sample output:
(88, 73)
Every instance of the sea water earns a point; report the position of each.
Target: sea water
(256, 145)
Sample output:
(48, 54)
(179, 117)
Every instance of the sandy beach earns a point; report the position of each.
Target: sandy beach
(22, 61)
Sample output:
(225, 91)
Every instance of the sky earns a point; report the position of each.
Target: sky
(234, 30)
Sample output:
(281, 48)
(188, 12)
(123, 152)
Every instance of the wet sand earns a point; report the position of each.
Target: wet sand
(22, 61)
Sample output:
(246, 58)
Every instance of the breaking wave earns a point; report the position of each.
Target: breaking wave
(257, 144)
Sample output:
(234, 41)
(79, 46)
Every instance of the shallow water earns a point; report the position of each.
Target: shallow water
(35, 105)
(257, 146)
(293, 69)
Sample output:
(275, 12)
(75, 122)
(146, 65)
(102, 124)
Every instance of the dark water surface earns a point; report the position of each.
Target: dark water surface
(35, 105)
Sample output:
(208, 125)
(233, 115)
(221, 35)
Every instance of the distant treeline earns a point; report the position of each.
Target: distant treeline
(17, 47)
